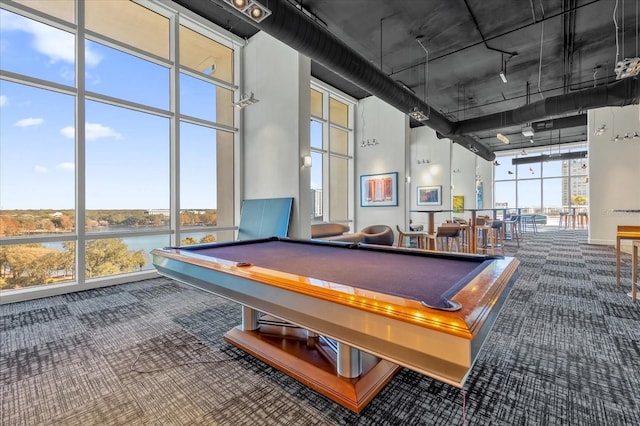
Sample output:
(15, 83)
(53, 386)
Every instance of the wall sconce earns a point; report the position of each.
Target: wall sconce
(251, 8)
(369, 142)
(245, 101)
(495, 163)
(456, 171)
(306, 161)
(600, 130)
(423, 161)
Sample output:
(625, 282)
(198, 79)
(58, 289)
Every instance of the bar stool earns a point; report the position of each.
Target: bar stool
(447, 235)
(583, 219)
(513, 223)
(495, 235)
(634, 271)
(483, 228)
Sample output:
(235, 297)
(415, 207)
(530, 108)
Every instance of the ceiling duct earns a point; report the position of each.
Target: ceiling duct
(577, 155)
(619, 93)
(289, 25)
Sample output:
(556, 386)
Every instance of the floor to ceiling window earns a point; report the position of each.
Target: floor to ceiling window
(332, 155)
(546, 181)
(108, 155)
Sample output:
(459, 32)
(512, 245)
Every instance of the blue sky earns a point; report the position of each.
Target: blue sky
(127, 152)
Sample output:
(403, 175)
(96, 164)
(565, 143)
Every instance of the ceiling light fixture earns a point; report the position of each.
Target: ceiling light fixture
(523, 152)
(495, 163)
(527, 131)
(245, 101)
(502, 138)
(251, 8)
(416, 114)
(503, 76)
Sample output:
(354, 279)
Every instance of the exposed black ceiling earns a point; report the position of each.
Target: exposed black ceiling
(548, 50)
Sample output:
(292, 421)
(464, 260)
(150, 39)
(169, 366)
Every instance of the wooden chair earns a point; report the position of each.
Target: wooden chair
(419, 236)
(447, 235)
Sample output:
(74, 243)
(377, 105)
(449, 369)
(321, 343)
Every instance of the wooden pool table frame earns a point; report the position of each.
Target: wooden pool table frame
(376, 333)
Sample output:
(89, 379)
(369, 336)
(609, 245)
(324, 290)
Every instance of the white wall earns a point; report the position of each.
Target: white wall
(450, 166)
(276, 130)
(614, 172)
(376, 119)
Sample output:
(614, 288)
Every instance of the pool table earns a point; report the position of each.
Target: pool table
(343, 318)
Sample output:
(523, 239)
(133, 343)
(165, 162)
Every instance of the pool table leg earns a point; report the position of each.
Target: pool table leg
(349, 361)
(250, 318)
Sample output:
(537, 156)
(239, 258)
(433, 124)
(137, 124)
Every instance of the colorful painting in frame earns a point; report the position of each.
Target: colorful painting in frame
(379, 190)
(429, 195)
(458, 203)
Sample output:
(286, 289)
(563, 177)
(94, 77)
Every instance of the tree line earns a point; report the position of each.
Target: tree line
(45, 221)
(25, 265)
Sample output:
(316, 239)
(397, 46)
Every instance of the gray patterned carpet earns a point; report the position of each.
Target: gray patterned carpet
(565, 351)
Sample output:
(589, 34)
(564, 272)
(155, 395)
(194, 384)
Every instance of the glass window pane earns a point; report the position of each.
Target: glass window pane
(501, 171)
(37, 50)
(205, 100)
(527, 171)
(37, 159)
(129, 23)
(28, 265)
(316, 104)
(338, 141)
(552, 169)
(338, 113)
(125, 76)
(338, 189)
(505, 194)
(316, 134)
(63, 9)
(529, 196)
(192, 237)
(207, 56)
(316, 186)
(127, 159)
(115, 256)
(198, 178)
(552, 198)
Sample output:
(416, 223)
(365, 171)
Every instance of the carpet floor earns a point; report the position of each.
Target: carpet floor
(564, 351)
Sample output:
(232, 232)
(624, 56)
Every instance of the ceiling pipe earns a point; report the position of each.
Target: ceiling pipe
(619, 93)
(289, 25)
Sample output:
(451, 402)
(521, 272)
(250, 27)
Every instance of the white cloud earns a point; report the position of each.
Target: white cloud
(67, 167)
(40, 169)
(28, 122)
(97, 131)
(3, 100)
(69, 132)
(57, 45)
(93, 131)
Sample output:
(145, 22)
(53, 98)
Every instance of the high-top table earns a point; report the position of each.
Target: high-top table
(625, 232)
(431, 229)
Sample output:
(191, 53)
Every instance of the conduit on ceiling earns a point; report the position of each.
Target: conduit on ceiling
(292, 27)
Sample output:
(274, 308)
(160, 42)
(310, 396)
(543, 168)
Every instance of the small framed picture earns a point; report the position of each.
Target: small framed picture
(379, 190)
(429, 195)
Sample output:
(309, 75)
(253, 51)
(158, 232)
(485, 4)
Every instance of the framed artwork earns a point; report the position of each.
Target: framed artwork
(429, 195)
(379, 190)
(458, 203)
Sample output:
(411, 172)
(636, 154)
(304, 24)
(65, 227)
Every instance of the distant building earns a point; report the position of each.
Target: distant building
(163, 212)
